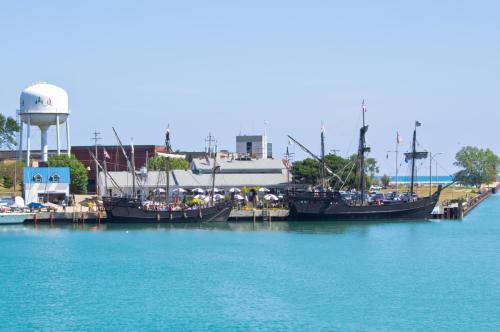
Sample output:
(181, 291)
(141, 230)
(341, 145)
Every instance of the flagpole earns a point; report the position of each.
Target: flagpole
(397, 177)
(105, 177)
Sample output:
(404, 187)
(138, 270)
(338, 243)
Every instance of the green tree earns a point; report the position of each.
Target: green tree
(372, 167)
(78, 172)
(8, 173)
(386, 179)
(308, 170)
(158, 163)
(8, 129)
(479, 166)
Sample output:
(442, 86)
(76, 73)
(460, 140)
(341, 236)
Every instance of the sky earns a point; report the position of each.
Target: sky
(249, 67)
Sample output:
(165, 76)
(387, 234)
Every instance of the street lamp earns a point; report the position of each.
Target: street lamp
(430, 169)
(397, 177)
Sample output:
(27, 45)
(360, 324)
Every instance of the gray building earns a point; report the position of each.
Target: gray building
(254, 146)
(267, 173)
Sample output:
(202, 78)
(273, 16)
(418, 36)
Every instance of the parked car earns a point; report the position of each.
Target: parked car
(378, 198)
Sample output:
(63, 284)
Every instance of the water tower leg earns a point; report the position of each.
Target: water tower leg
(58, 139)
(68, 140)
(45, 146)
(28, 142)
(20, 150)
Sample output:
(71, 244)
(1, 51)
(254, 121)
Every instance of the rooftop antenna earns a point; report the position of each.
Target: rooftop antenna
(210, 141)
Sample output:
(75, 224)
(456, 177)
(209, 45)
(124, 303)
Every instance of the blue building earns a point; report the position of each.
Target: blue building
(46, 184)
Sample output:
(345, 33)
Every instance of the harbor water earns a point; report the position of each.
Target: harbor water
(406, 276)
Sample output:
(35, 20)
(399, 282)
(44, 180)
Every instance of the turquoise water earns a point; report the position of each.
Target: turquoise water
(414, 276)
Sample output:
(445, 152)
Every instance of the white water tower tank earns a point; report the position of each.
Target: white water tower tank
(44, 105)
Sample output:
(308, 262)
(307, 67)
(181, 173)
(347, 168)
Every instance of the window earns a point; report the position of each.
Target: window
(55, 178)
(249, 147)
(37, 178)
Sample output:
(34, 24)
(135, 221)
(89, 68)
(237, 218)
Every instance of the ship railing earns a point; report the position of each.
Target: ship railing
(309, 194)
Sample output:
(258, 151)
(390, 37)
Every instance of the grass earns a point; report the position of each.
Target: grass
(447, 194)
(8, 191)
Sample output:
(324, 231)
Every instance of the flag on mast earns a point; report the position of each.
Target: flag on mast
(399, 138)
(106, 154)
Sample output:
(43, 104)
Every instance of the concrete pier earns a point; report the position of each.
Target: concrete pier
(67, 217)
(258, 215)
(460, 208)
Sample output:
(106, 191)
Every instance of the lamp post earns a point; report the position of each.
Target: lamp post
(397, 175)
(431, 156)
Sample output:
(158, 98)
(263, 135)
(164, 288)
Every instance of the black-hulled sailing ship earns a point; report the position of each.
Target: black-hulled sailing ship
(132, 209)
(322, 203)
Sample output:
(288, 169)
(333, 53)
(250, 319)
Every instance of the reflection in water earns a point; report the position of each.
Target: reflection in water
(325, 227)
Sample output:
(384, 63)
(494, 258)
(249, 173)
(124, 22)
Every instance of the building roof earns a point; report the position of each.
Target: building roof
(47, 174)
(124, 179)
(256, 166)
(189, 180)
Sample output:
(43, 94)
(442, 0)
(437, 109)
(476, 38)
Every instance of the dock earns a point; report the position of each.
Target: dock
(67, 217)
(460, 208)
(453, 210)
(258, 215)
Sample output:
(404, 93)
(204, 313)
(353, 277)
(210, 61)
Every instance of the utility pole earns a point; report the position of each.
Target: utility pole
(96, 138)
(396, 153)
(209, 142)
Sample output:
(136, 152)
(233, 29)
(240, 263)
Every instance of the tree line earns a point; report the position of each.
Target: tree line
(307, 171)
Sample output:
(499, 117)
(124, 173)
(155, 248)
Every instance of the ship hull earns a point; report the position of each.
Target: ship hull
(316, 208)
(130, 211)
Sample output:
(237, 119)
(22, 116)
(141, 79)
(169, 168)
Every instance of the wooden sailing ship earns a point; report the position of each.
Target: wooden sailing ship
(132, 209)
(325, 204)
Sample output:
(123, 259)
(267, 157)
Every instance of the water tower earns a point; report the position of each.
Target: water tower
(43, 105)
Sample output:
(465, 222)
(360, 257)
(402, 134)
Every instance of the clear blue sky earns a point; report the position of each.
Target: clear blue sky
(229, 66)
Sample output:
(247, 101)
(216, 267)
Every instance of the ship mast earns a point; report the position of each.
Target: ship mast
(167, 180)
(214, 170)
(414, 153)
(322, 174)
(361, 153)
(130, 165)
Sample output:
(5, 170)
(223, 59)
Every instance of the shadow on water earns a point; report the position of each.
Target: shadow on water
(311, 227)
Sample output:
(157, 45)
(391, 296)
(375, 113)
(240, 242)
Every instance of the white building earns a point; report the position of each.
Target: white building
(46, 184)
(254, 146)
